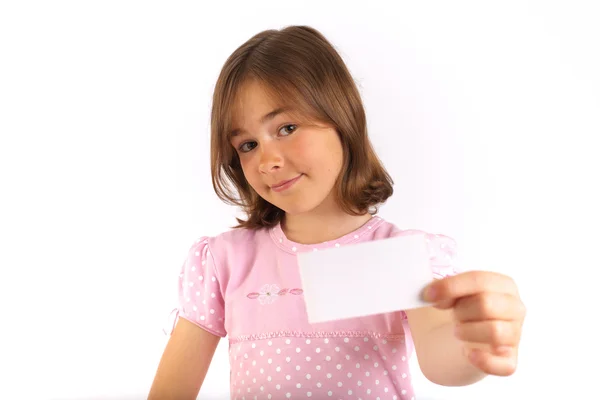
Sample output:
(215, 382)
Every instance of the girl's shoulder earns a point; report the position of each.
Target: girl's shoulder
(442, 248)
(234, 241)
(389, 229)
(239, 238)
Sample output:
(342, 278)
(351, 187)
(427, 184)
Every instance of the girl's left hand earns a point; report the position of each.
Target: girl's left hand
(489, 315)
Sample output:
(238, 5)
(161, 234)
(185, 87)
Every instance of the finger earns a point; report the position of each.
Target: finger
(469, 283)
(492, 364)
(495, 333)
(445, 304)
(489, 305)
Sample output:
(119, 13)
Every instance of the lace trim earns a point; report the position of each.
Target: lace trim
(393, 337)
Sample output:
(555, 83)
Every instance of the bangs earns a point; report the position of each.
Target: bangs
(283, 94)
(296, 102)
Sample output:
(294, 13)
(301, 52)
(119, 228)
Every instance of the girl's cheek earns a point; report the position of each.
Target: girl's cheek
(303, 148)
(246, 166)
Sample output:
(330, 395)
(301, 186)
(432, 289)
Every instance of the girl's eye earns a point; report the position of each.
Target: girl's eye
(247, 146)
(287, 129)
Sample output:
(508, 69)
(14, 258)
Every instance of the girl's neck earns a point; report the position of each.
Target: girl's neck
(318, 228)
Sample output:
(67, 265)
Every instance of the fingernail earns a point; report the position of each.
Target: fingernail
(429, 294)
(457, 331)
(503, 350)
(474, 355)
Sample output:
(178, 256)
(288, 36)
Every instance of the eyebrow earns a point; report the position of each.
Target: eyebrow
(266, 118)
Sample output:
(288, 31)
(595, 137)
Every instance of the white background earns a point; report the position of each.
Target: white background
(486, 115)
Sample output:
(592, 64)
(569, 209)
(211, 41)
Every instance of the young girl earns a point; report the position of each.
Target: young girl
(290, 146)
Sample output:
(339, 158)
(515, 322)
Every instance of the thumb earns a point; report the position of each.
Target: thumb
(444, 304)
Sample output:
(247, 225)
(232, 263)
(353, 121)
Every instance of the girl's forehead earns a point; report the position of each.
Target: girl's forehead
(252, 97)
(251, 104)
(255, 104)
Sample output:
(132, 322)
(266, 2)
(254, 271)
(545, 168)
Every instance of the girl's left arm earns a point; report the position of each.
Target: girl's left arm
(472, 329)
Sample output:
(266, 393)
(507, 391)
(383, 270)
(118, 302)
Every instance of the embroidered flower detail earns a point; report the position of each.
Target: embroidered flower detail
(268, 293)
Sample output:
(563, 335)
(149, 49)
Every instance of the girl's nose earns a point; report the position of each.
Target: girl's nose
(271, 158)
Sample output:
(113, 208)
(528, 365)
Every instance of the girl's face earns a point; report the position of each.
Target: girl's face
(291, 165)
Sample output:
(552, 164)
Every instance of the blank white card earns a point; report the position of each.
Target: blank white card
(363, 279)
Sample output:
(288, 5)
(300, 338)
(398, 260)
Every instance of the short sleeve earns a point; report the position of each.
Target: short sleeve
(442, 251)
(443, 255)
(200, 298)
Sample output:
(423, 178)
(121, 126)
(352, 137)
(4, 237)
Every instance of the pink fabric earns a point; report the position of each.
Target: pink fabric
(245, 285)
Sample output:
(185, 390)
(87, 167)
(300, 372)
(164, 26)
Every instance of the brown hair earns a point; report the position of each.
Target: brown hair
(300, 68)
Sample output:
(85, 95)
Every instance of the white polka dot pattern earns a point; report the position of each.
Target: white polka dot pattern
(200, 299)
(337, 366)
(274, 353)
(442, 250)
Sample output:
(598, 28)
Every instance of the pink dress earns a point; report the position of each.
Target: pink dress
(245, 284)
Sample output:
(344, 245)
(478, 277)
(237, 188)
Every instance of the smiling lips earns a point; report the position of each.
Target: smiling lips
(283, 185)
